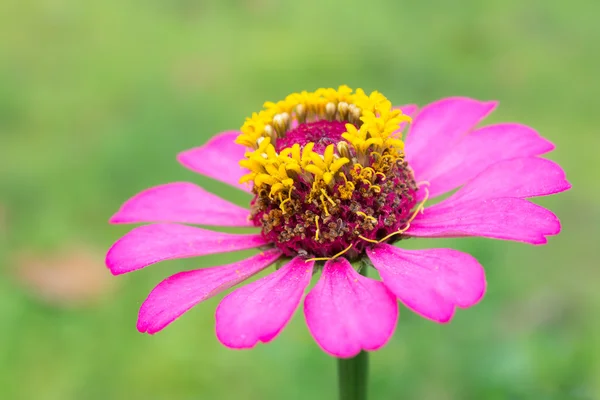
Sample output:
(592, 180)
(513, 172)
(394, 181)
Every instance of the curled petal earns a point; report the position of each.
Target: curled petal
(431, 282)
(180, 292)
(347, 312)
(260, 310)
(181, 202)
(218, 159)
(150, 244)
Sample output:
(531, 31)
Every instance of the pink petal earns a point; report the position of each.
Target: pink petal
(519, 177)
(347, 312)
(150, 244)
(430, 282)
(438, 127)
(408, 109)
(491, 204)
(260, 310)
(180, 292)
(501, 218)
(218, 159)
(477, 151)
(181, 202)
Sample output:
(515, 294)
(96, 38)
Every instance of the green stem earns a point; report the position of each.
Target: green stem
(353, 377)
(353, 373)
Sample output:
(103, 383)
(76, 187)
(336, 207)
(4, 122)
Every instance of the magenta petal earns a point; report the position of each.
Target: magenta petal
(519, 177)
(438, 127)
(219, 159)
(347, 313)
(408, 109)
(260, 310)
(150, 244)
(480, 149)
(430, 282)
(501, 218)
(180, 292)
(181, 202)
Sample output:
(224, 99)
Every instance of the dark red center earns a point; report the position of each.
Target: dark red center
(337, 219)
(321, 133)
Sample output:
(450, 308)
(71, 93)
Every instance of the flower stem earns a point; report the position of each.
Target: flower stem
(353, 373)
(352, 377)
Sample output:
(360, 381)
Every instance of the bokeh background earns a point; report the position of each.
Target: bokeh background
(97, 98)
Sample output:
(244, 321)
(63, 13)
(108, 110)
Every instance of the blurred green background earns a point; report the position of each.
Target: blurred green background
(97, 98)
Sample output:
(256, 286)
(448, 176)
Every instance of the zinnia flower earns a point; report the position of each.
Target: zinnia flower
(333, 187)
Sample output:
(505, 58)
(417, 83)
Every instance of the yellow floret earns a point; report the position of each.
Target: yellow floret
(374, 128)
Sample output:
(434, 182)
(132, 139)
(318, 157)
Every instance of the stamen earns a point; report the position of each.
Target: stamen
(362, 214)
(343, 175)
(289, 198)
(330, 110)
(280, 123)
(342, 110)
(347, 189)
(368, 182)
(420, 208)
(286, 119)
(401, 231)
(343, 149)
(341, 253)
(324, 205)
(318, 230)
(327, 197)
(270, 132)
(354, 114)
(366, 239)
(369, 172)
(301, 113)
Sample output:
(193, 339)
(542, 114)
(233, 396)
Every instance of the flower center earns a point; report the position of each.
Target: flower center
(321, 133)
(328, 173)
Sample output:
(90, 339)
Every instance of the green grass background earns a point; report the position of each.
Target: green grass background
(97, 97)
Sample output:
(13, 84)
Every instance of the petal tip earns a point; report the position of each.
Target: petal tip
(144, 325)
(567, 185)
(240, 342)
(434, 282)
(553, 231)
(110, 263)
(364, 318)
(141, 326)
(113, 259)
(182, 156)
(116, 219)
(259, 311)
(342, 354)
(446, 319)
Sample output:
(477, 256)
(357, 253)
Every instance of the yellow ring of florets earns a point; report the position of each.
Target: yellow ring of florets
(275, 172)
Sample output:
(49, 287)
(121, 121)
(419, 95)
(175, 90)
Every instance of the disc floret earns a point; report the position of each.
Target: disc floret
(328, 172)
